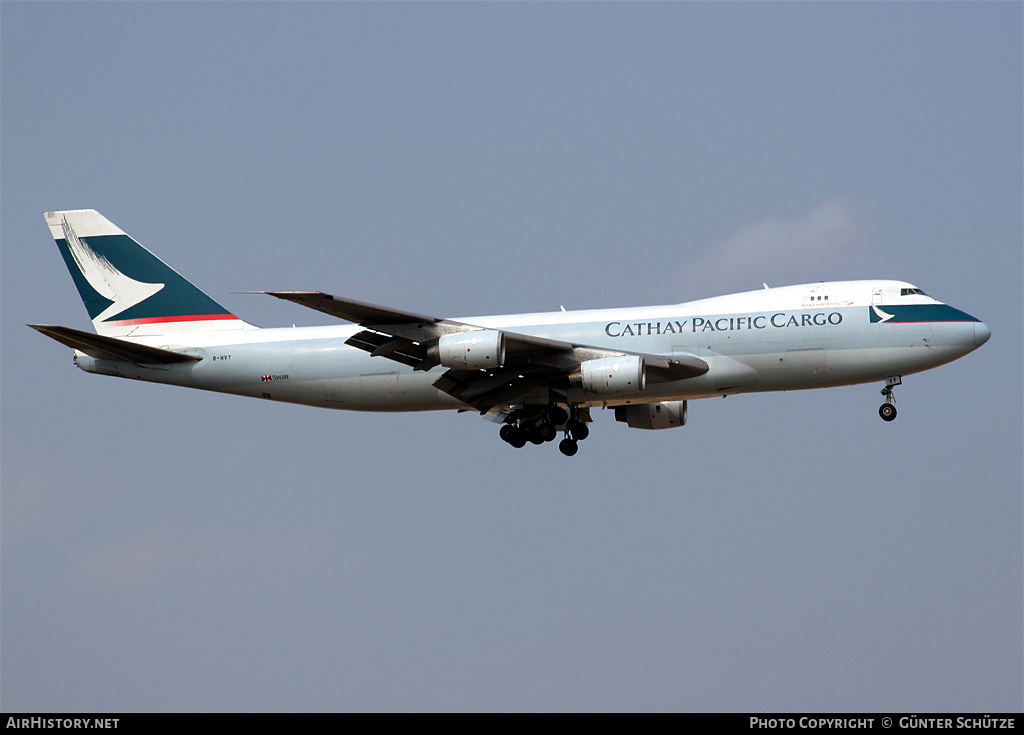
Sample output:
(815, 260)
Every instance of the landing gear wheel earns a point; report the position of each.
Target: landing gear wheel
(513, 435)
(888, 409)
(557, 415)
(568, 447)
(534, 434)
(578, 430)
(547, 431)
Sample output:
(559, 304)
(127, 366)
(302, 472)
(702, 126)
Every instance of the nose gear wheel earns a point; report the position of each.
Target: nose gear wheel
(888, 409)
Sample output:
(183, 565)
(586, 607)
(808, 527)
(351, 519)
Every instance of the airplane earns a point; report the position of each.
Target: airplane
(538, 375)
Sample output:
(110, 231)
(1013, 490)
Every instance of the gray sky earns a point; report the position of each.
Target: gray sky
(172, 550)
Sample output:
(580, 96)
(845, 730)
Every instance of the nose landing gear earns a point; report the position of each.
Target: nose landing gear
(888, 409)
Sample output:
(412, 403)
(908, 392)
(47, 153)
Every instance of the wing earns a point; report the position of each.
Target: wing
(526, 361)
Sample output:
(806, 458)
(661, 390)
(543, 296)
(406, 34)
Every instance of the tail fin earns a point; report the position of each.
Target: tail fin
(127, 290)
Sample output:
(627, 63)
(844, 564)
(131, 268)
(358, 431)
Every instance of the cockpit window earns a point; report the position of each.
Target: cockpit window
(912, 292)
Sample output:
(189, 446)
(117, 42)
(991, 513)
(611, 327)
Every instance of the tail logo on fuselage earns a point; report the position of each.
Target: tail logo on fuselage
(110, 283)
(882, 315)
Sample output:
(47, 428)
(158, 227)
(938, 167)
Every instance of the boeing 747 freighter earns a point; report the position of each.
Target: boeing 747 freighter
(538, 375)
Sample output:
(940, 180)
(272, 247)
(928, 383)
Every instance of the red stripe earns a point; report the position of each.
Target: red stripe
(167, 319)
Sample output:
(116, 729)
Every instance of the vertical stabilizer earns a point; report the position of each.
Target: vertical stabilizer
(127, 290)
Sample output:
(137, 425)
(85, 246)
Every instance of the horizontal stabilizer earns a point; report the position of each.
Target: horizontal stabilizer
(111, 348)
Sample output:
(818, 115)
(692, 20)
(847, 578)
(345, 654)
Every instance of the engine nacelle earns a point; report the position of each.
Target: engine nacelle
(479, 350)
(625, 374)
(664, 415)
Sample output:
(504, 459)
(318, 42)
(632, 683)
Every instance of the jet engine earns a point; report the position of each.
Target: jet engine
(478, 350)
(625, 374)
(664, 415)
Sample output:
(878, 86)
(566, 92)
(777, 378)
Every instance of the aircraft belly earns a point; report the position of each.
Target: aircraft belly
(805, 367)
(342, 377)
(317, 373)
(397, 390)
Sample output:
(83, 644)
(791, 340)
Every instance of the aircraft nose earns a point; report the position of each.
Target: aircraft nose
(981, 334)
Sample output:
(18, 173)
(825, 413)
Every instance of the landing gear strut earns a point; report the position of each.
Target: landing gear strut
(888, 409)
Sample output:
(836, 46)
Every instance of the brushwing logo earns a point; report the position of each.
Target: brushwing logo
(883, 316)
(105, 279)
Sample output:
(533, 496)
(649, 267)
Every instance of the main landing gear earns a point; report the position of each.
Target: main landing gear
(542, 425)
(888, 409)
(575, 432)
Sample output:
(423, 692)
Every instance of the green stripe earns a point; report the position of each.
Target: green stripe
(914, 313)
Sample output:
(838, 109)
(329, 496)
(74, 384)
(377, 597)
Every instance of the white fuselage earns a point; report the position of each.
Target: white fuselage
(790, 338)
